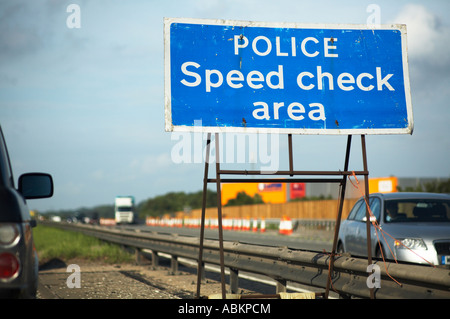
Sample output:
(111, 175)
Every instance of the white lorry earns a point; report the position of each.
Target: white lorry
(124, 210)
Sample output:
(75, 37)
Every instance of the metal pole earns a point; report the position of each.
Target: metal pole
(291, 159)
(219, 217)
(202, 228)
(338, 218)
(366, 184)
(291, 172)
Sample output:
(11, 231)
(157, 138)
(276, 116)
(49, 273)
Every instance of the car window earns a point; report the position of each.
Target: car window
(375, 207)
(358, 212)
(354, 210)
(417, 210)
(361, 213)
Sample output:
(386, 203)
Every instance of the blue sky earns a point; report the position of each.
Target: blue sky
(87, 104)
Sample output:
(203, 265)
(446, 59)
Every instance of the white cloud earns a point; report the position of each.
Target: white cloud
(70, 189)
(98, 175)
(152, 163)
(427, 36)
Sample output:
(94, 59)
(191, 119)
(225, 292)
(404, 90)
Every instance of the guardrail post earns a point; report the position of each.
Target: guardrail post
(234, 280)
(174, 265)
(201, 272)
(281, 285)
(155, 259)
(138, 256)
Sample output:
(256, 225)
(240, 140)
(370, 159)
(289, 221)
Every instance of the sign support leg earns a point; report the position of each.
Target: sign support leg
(200, 267)
(219, 217)
(366, 184)
(291, 159)
(291, 172)
(339, 216)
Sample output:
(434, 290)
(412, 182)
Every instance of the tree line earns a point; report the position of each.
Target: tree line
(430, 187)
(169, 203)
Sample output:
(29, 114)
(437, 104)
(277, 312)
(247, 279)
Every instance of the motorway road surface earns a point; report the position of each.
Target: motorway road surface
(306, 239)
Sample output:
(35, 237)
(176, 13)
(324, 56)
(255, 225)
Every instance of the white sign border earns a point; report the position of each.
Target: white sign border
(169, 127)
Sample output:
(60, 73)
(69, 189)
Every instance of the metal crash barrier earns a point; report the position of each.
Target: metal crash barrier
(348, 278)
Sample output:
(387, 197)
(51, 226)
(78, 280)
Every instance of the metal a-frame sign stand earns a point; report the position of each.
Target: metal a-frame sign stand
(340, 177)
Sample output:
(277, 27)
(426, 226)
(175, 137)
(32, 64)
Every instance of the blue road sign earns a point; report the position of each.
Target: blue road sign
(234, 76)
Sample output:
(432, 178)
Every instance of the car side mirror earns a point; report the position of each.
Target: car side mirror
(36, 185)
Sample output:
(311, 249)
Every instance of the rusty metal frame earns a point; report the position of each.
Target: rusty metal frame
(341, 178)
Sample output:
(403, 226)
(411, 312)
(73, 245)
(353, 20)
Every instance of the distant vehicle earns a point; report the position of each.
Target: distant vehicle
(124, 210)
(95, 219)
(79, 218)
(419, 221)
(18, 258)
(55, 219)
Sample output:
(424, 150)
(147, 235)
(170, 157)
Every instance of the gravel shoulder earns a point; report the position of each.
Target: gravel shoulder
(119, 281)
(98, 280)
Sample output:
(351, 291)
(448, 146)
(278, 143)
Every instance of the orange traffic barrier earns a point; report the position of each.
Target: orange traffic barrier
(262, 228)
(246, 224)
(285, 227)
(107, 221)
(254, 225)
(227, 224)
(237, 224)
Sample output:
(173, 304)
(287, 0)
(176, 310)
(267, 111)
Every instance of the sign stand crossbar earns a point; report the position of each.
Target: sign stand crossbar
(341, 179)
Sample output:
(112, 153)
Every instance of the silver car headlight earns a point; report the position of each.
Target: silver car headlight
(411, 243)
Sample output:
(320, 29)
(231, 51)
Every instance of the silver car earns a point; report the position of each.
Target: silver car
(415, 228)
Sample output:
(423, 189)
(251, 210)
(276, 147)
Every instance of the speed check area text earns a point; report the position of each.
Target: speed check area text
(310, 47)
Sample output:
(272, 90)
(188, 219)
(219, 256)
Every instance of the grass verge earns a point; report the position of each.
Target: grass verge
(54, 243)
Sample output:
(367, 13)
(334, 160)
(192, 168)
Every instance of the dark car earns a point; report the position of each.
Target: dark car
(415, 228)
(18, 257)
